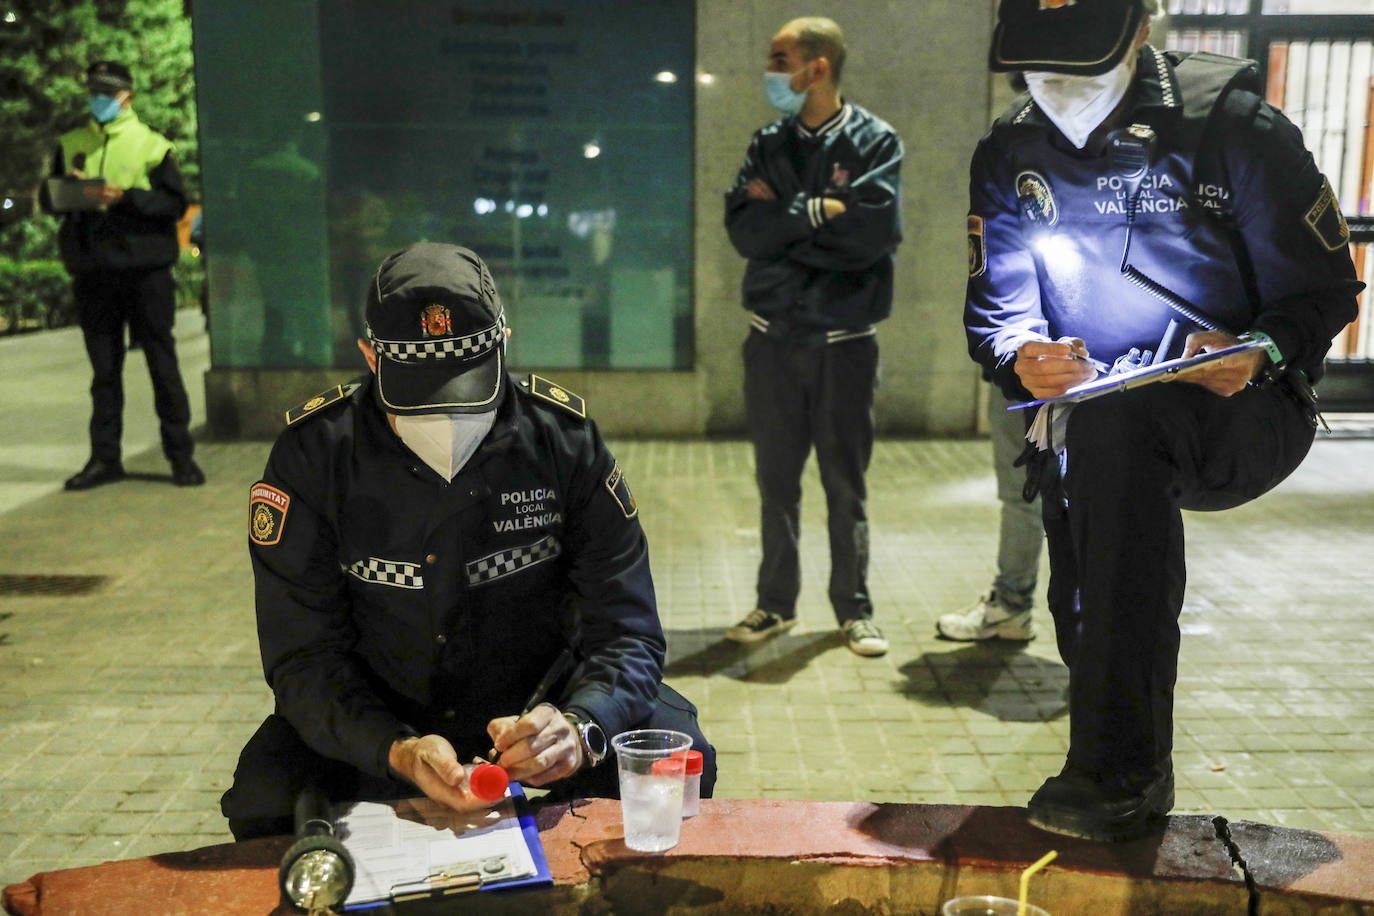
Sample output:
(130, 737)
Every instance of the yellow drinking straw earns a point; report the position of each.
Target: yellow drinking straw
(1044, 860)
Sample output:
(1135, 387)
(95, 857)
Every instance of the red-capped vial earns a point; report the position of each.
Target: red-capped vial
(691, 788)
(488, 782)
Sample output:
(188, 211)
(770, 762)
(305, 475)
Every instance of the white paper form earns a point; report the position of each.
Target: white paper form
(401, 843)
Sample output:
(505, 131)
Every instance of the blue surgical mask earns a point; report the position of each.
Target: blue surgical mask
(104, 108)
(778, 87)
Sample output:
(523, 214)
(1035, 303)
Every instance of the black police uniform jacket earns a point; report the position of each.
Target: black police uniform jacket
(807, 273)
(391, 602)
(1233, 215)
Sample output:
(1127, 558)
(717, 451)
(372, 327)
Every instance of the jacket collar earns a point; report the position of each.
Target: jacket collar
(830, 125)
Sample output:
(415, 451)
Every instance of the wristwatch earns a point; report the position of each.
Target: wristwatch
(590, 736)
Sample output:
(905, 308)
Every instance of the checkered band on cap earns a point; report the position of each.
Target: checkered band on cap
(387, 572)
(461, 348)
(514, 559)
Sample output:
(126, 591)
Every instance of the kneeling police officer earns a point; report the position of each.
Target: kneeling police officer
(426, 544)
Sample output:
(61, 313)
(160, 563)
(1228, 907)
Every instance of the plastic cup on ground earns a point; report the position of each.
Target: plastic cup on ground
(987, 906)
(652, 763)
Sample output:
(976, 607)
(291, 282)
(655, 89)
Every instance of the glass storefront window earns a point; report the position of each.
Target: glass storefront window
(1317, 7)
(553, 138)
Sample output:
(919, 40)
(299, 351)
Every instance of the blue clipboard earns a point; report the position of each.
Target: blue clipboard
(529, 832)
(1155, 372)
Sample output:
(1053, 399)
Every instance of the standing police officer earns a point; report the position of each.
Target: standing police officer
(425, 545)
(816, 208)
(120, 257)
(1146, 201)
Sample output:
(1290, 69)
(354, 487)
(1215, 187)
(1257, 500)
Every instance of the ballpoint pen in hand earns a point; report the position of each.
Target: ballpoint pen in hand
(488, 781)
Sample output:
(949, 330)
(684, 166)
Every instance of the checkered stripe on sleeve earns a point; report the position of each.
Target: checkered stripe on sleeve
(387, 572)
(514, 559)
(470, 347)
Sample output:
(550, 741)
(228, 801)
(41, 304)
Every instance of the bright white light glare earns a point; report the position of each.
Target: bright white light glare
(706, 79)
(591, 151)
(510, 206)
(483, 205)
(665, 76)
(312, 116)
(543, 210)
(10, 17)
(8, 204)
(1061, 255)
(524, 211)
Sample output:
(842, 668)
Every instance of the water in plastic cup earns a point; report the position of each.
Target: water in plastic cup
(652, 763)
(987, 906)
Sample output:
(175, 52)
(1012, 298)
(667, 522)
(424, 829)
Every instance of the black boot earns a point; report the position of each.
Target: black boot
(187, 473)
(1109, 809)
(94, 474)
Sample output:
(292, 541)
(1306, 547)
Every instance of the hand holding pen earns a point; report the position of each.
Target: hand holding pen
(536, 747)
(1049, 368)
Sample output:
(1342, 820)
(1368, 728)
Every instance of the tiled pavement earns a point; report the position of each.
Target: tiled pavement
(122, 707)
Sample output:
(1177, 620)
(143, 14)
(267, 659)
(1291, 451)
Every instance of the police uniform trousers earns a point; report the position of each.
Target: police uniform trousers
(145, 300)
(796, 397)
(276, 765)
(1133, 461)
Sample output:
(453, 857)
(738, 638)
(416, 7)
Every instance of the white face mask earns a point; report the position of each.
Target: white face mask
(444, 441)
(1078, 104)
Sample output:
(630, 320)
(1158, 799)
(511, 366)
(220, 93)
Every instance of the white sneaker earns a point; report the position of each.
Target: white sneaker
(987, 619)
(759, 625)
(864, 637)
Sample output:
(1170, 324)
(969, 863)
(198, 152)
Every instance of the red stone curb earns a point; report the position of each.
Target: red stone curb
(799, 857)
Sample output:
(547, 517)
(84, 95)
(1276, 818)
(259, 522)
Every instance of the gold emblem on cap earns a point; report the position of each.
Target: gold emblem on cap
(559, 393)
(435, 321)
(262, 523)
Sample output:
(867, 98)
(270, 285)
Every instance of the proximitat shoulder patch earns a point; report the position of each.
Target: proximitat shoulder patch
(1325, 220)
(620, 490)
(266, 514)
(546, 390)
(323, 399)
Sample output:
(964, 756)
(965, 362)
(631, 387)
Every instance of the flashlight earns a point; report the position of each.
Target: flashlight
(317, 871)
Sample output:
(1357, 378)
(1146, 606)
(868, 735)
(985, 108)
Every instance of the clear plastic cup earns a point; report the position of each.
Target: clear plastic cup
(652, 763)
(987, 906)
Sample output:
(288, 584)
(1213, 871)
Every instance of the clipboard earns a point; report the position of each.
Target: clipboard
(1145, 375)
(68, 195)
(398, 862)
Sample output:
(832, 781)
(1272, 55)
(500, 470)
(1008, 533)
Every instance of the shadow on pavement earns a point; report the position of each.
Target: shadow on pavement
(994, 678)
(706, 652)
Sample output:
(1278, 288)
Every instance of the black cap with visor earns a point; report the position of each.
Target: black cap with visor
(437, 327)
(1080, 37)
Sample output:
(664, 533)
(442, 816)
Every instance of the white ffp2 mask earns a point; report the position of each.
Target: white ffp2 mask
(1078, 104)
(444, 441)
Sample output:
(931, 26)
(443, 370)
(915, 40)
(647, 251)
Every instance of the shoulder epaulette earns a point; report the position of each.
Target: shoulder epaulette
(320, 401)
(546, 390)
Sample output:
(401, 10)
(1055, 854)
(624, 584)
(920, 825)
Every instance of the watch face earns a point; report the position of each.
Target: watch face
(595, 740)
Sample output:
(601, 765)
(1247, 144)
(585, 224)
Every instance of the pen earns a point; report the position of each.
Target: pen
(556, 671)
(1097, 364)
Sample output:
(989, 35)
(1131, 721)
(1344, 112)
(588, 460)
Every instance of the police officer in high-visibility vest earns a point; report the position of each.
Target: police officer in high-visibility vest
(1141, 204)
(119, 253)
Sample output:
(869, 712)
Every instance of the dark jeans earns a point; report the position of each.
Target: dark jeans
(275, 765)
(1133, 461)
(797, 397)
(145, 300)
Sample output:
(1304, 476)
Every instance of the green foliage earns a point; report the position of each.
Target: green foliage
(189, 274)
(44, 53)
(34, 293)
(31, 238)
